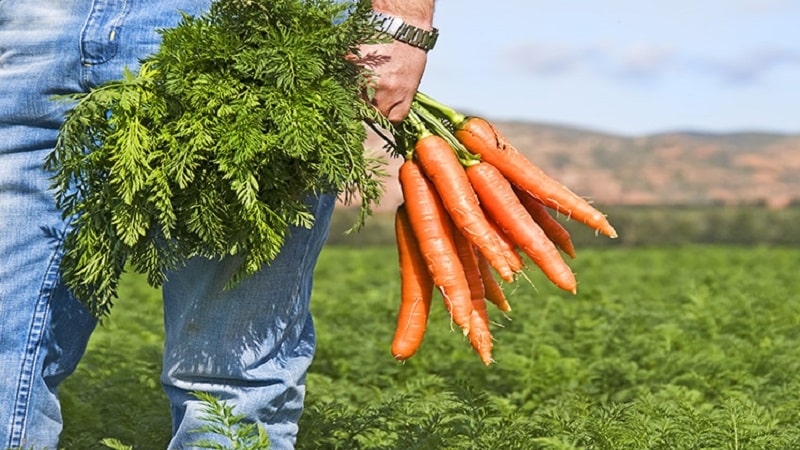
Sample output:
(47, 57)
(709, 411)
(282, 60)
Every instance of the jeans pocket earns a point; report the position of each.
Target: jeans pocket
(100, 34)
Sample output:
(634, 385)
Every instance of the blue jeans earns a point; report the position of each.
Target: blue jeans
(250, 346)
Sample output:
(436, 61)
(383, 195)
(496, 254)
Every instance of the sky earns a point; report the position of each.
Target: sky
(631, 67)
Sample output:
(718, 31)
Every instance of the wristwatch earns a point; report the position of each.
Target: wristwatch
(403, 32)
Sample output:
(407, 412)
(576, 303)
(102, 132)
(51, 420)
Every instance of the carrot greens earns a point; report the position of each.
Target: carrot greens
(211, 147)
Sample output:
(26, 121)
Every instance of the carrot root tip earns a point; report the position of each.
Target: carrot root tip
(497, 324)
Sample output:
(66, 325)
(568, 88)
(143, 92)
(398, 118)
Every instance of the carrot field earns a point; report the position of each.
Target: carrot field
(684, 347)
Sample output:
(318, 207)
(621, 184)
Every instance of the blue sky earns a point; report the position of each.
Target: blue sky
(623, 66)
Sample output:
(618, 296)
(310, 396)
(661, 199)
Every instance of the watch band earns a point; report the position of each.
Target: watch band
(403, 32)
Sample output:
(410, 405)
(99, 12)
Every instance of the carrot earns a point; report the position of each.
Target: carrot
(433, 231)
(466, 254)
(491, 288)
(440, 164)
(508, 247)
(480, 137)
(551, 227)
(480, 337)
(416, 290)
(503, 206)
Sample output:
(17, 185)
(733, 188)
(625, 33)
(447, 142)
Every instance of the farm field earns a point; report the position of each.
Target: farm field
(684, 347)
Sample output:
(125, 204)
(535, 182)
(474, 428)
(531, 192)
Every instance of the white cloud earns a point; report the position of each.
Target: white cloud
(641, 60)
(763, 6)
(752, 65)
(646, 61)
(542, 59)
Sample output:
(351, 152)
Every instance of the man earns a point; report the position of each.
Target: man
(50, 47)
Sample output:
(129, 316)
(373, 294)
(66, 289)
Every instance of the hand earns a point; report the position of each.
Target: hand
(398, 69)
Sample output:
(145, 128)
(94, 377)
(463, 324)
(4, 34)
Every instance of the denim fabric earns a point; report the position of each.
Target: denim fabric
(250, 346)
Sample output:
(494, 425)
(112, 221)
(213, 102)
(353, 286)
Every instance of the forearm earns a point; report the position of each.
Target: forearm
(418, 13)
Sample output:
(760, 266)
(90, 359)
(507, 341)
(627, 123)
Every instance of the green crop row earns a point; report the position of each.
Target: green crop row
(686, 347)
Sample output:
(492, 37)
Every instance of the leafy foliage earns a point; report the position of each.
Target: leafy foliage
(223, 423)
(115, 444)
(663, 348)
(211, 148)
(689, 347)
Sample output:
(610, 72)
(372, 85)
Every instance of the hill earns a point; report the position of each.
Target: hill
(675, 168)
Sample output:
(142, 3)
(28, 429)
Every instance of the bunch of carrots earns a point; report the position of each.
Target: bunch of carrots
(472, 202)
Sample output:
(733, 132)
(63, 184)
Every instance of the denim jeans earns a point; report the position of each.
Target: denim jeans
(250, 346)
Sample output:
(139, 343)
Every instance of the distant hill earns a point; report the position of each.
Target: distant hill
(686, 168)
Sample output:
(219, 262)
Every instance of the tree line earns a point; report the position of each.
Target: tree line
(637, 226)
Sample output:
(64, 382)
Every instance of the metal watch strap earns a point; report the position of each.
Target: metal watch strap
(403, 32)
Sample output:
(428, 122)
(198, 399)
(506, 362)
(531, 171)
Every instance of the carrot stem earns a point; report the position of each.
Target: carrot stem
(465, 157)
(420, 129)
(447, 112)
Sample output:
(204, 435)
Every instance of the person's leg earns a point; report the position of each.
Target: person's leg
(249, 346)
(50, 47)
(43, 330)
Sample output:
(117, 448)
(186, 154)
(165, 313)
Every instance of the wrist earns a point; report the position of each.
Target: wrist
(403, 30)
(417, 13)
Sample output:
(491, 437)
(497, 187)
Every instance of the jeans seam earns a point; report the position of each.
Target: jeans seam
(22, 398)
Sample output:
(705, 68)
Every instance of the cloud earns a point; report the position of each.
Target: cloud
(762, 6)
(641, 60)
(542, 59)
(751, 66)
(646, 61)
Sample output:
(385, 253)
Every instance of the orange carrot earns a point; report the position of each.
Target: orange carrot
(466, 254)
(508, 247)
(491, 288)
(552, 227)
(416, 290)
(440, 164)
(480, 337)
(433, 231)
(480, 137)
(503, 206)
